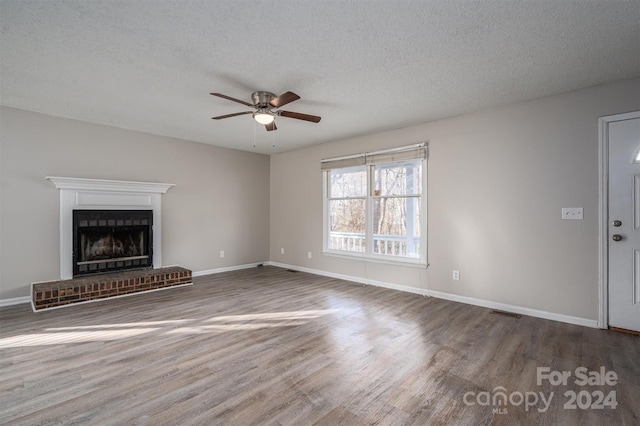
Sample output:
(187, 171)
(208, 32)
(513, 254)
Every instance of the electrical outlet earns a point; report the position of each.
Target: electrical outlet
(456, 275)
(282, 250)
(309, 255)
(221, 254)
(572, 213)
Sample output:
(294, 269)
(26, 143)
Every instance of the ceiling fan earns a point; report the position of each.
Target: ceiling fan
(266, 106)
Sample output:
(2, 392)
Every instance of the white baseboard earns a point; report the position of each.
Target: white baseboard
(452, 297)
(226, 269)
(415, 290)
(515, 309)
(15, 301)
(359, 280)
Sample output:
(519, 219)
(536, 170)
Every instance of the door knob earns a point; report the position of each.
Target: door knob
(616, 237)
(616, 223)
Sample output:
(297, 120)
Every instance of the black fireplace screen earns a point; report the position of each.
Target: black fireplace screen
(111, 240)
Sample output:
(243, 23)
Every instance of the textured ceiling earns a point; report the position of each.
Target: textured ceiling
(364, 66)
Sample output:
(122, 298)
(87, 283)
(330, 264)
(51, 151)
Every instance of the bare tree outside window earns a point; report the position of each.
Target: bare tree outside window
(347, 208)
(396, 208)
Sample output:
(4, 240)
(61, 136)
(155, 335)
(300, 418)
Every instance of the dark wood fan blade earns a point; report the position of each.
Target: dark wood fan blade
(271, 126)
(220, 117)
(220, 95)
(284, 99)
(300, 116)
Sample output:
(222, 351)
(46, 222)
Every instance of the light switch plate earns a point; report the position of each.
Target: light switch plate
(572, 213)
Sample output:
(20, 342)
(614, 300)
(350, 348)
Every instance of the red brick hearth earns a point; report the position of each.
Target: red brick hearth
(59, 293)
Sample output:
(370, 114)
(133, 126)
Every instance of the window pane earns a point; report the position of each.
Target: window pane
(348, 182)
(398, 178)
(396, 226)
(347, 225)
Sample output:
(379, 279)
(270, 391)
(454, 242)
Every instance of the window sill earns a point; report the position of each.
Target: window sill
(417, 263)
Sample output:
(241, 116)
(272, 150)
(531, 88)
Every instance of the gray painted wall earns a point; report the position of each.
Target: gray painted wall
(220, 201)
(497, 182)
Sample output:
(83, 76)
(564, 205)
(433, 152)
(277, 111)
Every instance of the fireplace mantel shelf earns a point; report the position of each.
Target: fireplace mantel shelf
(82, 184)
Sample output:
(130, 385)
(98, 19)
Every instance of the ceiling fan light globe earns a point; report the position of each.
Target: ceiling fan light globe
(263, 117)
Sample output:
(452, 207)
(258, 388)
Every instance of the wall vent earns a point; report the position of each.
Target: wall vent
(506, 314)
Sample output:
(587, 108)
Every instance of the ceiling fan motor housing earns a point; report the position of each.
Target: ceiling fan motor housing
(262, 99)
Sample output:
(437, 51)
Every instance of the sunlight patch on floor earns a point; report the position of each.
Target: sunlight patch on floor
(123, 325)
(108, 332)
(40, 339)
(234, 327)
(309, 314)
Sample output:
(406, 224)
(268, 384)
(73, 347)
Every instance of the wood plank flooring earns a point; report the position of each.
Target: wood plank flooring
(266, 346)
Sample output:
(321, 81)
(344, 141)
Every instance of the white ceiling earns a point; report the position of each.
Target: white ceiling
(364, 66)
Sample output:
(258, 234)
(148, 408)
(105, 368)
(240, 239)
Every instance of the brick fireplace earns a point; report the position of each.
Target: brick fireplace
(56, 294)
(110, 242)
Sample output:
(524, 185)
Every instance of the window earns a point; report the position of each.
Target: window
(347, 208)
(374, 205)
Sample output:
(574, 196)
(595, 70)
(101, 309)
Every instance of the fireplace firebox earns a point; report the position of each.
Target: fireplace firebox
(111, 240)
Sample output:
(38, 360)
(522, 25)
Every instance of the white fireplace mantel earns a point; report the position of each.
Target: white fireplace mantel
(100, 194)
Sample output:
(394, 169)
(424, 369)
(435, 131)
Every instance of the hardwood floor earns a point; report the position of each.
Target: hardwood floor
(267, 346)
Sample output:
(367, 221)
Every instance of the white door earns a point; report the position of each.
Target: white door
(624, 224)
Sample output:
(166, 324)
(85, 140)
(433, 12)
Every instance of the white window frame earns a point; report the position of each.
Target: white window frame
(368, 254)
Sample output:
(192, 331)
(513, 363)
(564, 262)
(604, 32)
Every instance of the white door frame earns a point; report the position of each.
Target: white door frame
(603, 232)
